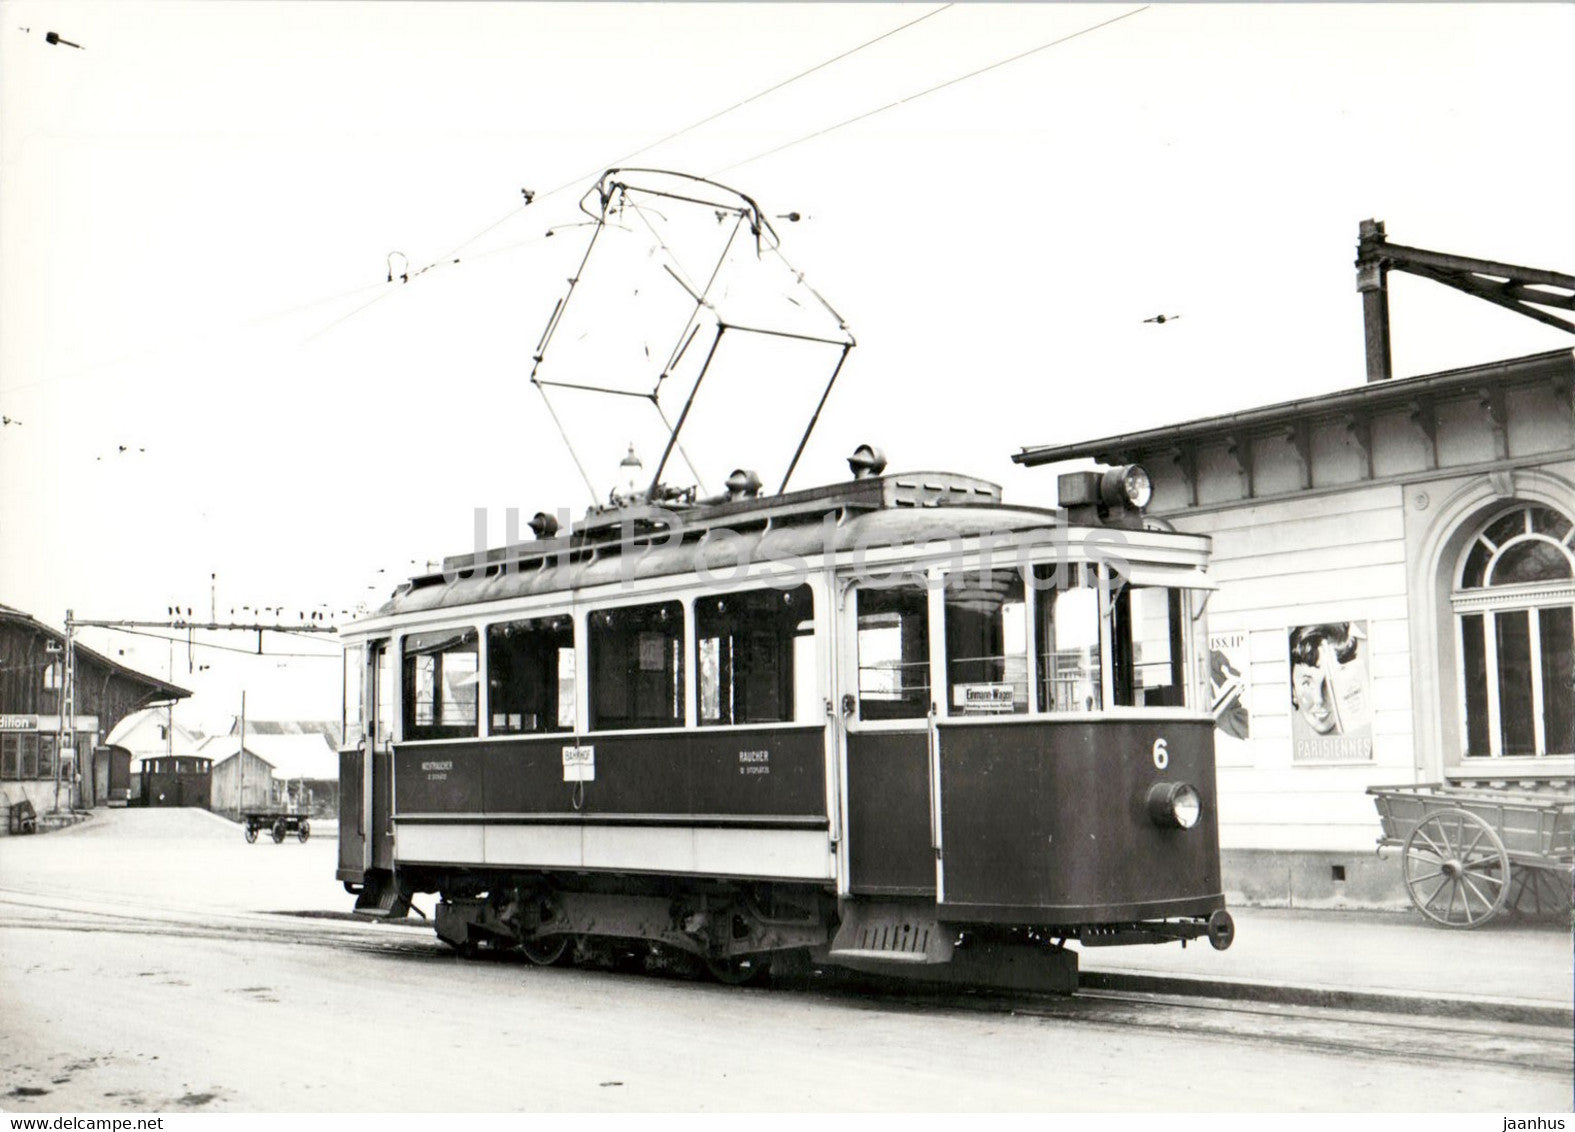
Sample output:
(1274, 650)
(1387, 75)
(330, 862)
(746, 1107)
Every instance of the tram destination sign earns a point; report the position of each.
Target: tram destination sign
(985, 697)
(18, 723)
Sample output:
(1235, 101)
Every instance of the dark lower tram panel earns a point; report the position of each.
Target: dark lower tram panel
(1045, 832)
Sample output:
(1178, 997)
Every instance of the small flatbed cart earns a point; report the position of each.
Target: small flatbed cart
(278, 824)
(1468, 853)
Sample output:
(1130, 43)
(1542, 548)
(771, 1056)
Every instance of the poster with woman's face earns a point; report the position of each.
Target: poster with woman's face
(1331, 693)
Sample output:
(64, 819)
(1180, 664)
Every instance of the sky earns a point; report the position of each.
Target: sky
(224, 402)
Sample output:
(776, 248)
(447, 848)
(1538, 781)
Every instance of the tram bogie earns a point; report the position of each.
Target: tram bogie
(891, 722)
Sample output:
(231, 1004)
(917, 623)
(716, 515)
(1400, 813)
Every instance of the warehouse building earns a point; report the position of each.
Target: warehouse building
(41, 754)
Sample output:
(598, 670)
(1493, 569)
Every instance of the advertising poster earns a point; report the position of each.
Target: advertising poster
(1228, 690)
(1331, 693)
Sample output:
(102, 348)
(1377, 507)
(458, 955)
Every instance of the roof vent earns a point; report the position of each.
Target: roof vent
(744, 483)
(543, 525)
(867, 462)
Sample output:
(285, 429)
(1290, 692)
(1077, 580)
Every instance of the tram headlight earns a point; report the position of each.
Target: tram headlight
(1109, 496)
(1174, 805)
(1128, 487)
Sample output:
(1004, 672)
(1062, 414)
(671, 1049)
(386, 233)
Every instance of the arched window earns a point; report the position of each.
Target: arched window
(1514, 603)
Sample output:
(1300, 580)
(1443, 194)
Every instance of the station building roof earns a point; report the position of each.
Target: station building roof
(1556, 366)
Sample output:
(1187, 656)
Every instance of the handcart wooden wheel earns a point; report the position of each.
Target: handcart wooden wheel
(1535, 893)
(279, 829)
(304, 831)
(1456, 869)
(251, 833)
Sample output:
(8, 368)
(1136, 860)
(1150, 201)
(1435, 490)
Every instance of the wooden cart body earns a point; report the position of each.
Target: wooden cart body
(1467, 853)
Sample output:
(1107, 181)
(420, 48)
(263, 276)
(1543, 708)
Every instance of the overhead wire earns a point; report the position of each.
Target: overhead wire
(581, 178)
(795, 142)
(219, 647)
(752, 98)
(449, 256)
(156, 350)
(930, 90)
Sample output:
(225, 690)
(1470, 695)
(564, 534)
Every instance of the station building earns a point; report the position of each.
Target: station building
(1396, 604)
(36, 750)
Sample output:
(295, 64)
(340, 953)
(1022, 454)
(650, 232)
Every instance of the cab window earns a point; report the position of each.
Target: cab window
(1066, 638)
(355, 679)
(383, 691)
(894, 652)
(986, 643)
(1147, 658)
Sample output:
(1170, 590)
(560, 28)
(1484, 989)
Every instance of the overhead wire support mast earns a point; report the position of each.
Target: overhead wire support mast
(1520, 289)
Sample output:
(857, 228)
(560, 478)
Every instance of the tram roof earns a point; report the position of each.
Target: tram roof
(865, 514)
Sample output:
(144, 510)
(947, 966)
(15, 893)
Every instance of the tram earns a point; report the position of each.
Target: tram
(886, 722)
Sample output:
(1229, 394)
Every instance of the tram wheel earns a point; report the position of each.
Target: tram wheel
(1455, 869)
(251, 834)
(278, 832)
(737, 970)
(547, 951)
(304, 831)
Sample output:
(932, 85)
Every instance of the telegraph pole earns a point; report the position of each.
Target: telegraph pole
(68, 713)
(240, 797)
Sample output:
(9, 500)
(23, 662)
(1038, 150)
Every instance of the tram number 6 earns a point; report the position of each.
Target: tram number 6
(1161, 754)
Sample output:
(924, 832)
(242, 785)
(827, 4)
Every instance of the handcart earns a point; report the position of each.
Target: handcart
(1468, 853)
(280, 825)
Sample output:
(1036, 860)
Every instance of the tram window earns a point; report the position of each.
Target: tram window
(440, 677)
(355, 681)
(9, 767)
(751, 649)
(530, 676)
(637, 666)
(1066, 638)
(894, 652)
(383, 693)
(986, 643)
(1146, 661)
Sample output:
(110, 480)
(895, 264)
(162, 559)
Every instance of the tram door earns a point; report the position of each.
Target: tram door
(886, 705)
(365, 767)
(352, 769)
(379, 789)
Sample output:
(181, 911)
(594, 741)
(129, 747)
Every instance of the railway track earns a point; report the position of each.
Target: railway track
(1540, 1048)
